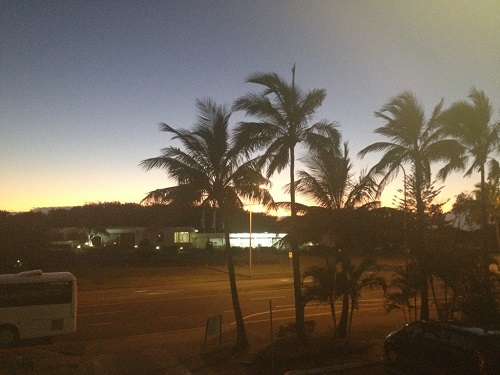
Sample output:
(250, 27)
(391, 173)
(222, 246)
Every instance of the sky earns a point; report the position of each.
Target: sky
(84, 84)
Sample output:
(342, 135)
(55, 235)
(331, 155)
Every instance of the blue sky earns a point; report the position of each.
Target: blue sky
(83, 85)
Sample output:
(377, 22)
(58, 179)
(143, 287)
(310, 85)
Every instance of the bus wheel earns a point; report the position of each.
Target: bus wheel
(9, 335)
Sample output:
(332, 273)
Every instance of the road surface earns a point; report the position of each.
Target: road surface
(121, 312)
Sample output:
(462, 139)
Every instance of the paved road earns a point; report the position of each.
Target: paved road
(181, 310)
(160, 329)
(122, 312)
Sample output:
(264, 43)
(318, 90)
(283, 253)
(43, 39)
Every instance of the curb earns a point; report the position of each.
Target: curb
(335, 368)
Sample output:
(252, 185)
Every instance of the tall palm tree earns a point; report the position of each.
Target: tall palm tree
(209, 172)
(417, 141)
(471, 124)
(283, 113)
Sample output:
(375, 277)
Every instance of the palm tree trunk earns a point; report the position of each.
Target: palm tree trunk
(424, 297)
(446, 299)
(294, 245)
(332, 311)
(351, 314)
(241, 336)
(484, 214)
(342, 328)
(436, 302)
(497, 232)
(331, 295)
(415, 306)
(420, 250)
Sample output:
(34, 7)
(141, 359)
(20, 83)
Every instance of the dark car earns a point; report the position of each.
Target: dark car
(443, 348)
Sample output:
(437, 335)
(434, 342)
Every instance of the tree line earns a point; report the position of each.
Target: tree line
(26, 237)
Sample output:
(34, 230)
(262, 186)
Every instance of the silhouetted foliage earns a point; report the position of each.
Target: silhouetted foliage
(341, 278)
(403, 290)
(284, 113)
(415, 140)
(24, 238)
(468, 208)
(471, 124)
(212, 173)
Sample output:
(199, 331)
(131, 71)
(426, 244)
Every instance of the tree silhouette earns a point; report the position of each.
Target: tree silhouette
(283, 113)
(414, 140)
(210, 172)
(472, 125)
(470, 206)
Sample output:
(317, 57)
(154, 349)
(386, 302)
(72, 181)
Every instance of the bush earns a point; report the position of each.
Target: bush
(289, 331)
(321, 350)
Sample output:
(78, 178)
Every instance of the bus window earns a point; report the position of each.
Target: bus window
(57, 292)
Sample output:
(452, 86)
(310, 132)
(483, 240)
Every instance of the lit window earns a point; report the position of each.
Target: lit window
(182, 237)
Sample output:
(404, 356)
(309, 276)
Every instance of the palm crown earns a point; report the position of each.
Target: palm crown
(414, 140)
(283, 112)
(330, 181)
(208, 169)
(471, 124)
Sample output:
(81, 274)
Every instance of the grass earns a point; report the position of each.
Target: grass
(118, 270)
(323, 350)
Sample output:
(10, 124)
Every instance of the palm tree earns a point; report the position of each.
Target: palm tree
(329, 180)
(414, 140)
(406, 282)
(471, 206)
(492, 191)
(350, 282)
(471, 124)
(283, 113)
(342, 278)
(322, 288)
(209, 172)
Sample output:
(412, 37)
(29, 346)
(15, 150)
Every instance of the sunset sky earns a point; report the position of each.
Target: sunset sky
(83, 85)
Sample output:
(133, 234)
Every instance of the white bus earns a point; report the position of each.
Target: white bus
(36, 304)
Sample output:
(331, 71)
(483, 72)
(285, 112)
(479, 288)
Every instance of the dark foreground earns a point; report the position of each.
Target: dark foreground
(183, 352)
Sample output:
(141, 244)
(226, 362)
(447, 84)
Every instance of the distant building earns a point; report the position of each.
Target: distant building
(163, 237)
(200, 240)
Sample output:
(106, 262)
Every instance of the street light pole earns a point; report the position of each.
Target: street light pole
(261, 187)
(404, 212)
(250, 240)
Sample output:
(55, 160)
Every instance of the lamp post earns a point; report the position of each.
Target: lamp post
(250, 245)
(261, 187)
(404, 212)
